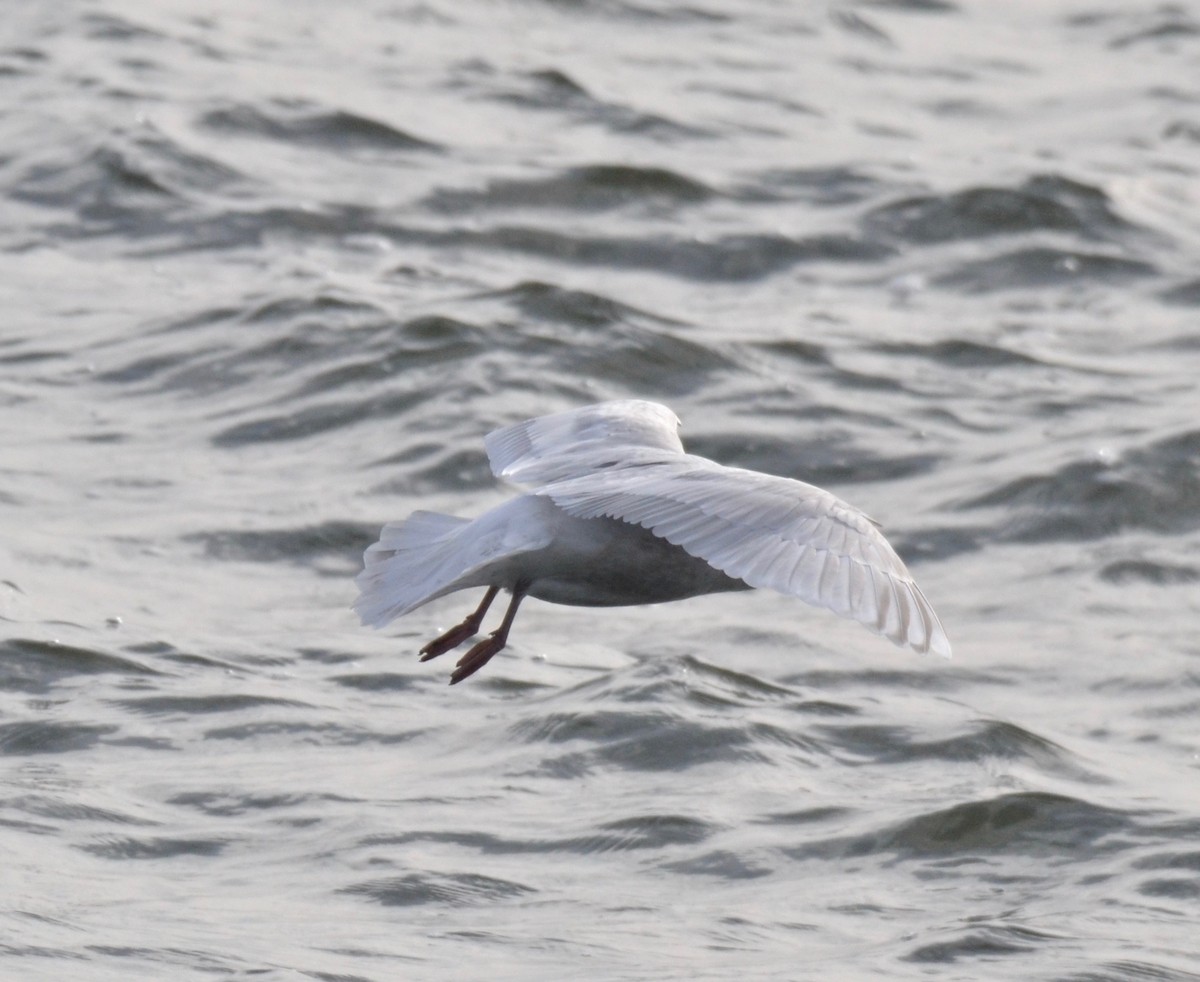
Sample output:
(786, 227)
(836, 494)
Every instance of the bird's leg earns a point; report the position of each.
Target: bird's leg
(480, 654)
(460, 632)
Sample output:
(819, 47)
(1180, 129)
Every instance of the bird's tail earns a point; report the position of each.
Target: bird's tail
(407, 566)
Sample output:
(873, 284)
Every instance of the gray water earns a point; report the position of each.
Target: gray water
(271, 270)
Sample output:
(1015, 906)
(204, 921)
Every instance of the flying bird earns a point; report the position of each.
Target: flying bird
(618, 513)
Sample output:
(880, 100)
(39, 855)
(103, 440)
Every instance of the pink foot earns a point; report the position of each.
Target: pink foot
(460, 632)
(477, 657)
(451, 639)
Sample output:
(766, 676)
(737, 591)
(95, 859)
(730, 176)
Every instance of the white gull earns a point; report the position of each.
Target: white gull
(618, 514)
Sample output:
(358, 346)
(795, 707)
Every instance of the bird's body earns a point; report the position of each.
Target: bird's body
(619, 514)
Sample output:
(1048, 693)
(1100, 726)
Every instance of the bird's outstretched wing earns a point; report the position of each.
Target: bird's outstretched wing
(624, 460)
(599, 437)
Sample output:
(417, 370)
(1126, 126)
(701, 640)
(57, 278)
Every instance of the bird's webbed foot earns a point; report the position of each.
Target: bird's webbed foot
(460, 632)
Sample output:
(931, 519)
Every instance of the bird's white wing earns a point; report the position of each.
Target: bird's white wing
(768, 531)
(581, 441)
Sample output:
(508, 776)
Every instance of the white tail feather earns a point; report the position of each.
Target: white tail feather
(407, 566)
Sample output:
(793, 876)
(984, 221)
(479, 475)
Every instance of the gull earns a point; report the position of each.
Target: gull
(618, 513)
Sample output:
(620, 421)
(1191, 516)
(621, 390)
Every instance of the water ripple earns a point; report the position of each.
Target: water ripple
(31, 665)
(599, 187)
(297, 122)
(453, 889)
(1045, 203)
(1029, 823)
(1155, 487)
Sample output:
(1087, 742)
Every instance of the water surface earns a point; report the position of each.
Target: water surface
(270, 273)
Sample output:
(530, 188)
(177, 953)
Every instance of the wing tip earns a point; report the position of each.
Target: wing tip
(938, 643)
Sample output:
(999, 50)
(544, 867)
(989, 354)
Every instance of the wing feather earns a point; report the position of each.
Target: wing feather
(889, 623)
(561, 445)
(771, 532)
